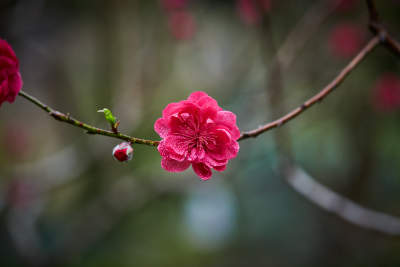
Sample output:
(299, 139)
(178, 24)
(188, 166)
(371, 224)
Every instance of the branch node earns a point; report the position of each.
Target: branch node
(57, 115)
(382, 36)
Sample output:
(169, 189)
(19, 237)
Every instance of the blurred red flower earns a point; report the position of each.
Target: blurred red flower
(16, 141)
(346, 39)
(10, 78)
(173, 4)
(251, 11)
(346, 5)
(182, 25)
(386, 93)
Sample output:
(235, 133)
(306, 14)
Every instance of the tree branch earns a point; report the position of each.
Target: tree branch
(318, 97)
(339, 205)
(377, 28)
(381, 36)
(89, 128)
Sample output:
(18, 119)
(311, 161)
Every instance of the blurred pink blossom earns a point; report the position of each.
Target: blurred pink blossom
(173, 4)
(16, 141)
(251, 11)
(197, 132)
(346, 5)
(20, 193)
(10, 78)
(387, 92)
(346, 39)
(182, 25)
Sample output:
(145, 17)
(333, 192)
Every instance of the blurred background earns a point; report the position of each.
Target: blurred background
(64, 201)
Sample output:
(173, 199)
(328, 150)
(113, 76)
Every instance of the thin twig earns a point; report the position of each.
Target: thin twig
(318, 97)
(377, 28)
(89, 128)
(373, 12)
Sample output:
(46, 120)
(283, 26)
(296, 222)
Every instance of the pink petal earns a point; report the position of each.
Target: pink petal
(179, 144)
(223, 136)
(204, 101)
(174, 165)
(161, 128)
(183, 126)
(202, 170)
(6, 63)
(220, 168)
(15, 85)
(171, 109)
(228, 119)
(168, 152)
(6, 50)
(195, 96)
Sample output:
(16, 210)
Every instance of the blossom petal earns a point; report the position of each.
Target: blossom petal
(196, 96)
(174, 165)
(168, 152)
(228, 119)
(10, 78)
(204, 101)
(15, 85)
(220, 168)
(179, 144)
(224, 148)
(6, 50)
(161, 127)
(202, 170)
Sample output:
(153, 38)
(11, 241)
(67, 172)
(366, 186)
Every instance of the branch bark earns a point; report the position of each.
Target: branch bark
(319, 96)
(89, 128)
(341, 206)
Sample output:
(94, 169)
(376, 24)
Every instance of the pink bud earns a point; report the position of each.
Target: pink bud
(123, 152)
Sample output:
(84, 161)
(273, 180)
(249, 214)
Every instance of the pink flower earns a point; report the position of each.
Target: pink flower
(197, 132)
(10, 78)
(251, 11)
(387, 92)
(345, 40)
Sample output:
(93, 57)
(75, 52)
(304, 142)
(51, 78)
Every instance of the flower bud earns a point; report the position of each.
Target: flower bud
(123, 152)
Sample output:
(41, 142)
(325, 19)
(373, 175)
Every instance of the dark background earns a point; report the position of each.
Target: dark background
(64, 201)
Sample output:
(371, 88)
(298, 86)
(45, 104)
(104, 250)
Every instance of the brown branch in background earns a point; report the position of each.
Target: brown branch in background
(381, 36)
(303, 31)
(341, 206)
(302, 183)
(378, 29)
(373, 12)
(318, 97)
